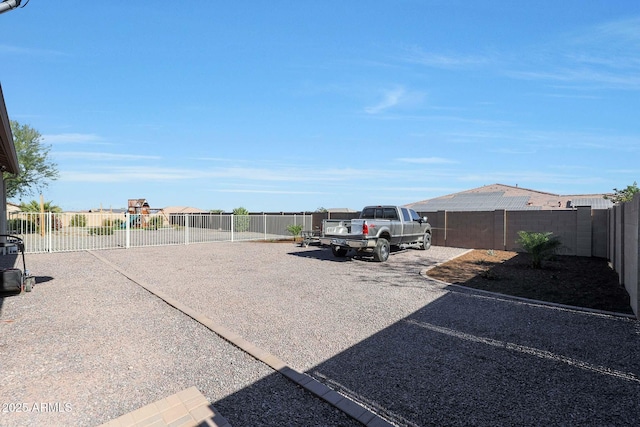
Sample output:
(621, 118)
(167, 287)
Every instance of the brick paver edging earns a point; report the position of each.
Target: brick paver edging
(187, 408)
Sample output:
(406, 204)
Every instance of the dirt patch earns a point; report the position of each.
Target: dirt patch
(579, 281)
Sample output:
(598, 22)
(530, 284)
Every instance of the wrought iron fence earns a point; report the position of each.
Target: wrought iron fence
(65, 232)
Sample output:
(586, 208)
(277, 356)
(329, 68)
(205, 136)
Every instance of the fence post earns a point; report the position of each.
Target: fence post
(127, 231)
(186, 229)
(49, 230)
(264, 222)
(232, 227)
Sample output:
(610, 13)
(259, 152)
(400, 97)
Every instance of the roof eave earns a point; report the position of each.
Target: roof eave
(8, 155)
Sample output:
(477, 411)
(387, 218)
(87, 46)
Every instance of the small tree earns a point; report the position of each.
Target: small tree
(541, 246)
(241, 219)
(36, 166)
(294, 229)
(624, 195)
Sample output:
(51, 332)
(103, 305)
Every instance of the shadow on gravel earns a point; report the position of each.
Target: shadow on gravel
(276, 401)
(325, 254)
(466, 360)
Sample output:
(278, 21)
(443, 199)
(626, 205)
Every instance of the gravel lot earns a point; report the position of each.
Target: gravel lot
(413, 350)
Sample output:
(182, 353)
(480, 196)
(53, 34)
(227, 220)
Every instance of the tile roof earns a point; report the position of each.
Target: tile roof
(500, 196)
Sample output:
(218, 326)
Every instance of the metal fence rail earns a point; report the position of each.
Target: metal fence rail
(65, 232)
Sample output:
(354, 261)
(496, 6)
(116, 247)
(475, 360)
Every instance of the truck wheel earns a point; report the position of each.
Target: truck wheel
(338, 251)
(426, 241)
(381, 251)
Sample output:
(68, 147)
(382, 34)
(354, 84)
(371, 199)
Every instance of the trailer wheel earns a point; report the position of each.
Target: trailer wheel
(338, 251)
(426, 241)
(381, 251)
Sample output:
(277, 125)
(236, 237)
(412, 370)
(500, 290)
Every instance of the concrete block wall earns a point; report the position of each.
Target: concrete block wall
(599, 233)
(470, 229)
(583, 232)
(561, 223)
(631, 250)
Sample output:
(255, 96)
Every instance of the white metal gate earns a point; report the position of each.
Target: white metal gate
(64, 232)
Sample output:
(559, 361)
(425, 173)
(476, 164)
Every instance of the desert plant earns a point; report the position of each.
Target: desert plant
(34, 206)
(21, 226)
(294, 229)
(540, 246)
(155, 222)
(78, 220)
(100, 231)
(112, 222)
(241, 219)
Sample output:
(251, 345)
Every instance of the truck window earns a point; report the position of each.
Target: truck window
(414, 215)
(406, 215)
(390, 213)
(368, 213)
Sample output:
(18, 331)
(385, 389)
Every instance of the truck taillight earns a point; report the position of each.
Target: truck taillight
(365, 228)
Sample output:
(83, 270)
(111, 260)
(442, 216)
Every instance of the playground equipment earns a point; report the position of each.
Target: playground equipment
(139, 211)
(141, 215)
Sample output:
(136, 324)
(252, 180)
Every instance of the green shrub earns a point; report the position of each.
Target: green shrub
(100, 231)
(294, 229)
(541, 246)
(241, 219)
(78, 220)
(113, 222)
(155, 222)
(21, 226)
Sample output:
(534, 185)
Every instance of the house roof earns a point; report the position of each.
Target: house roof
(500, 196)
(181, 210)
(8, 156)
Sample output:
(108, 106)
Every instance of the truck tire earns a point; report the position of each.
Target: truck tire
(338, 251)
(426, 241)
(381, 251)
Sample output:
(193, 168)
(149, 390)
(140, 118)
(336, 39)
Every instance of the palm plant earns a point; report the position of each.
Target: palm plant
(541, 246)
(34, 206)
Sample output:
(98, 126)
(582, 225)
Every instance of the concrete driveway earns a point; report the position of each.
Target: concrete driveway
(409, 350)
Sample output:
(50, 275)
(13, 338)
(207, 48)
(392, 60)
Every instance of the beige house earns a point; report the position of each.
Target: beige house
(8, 160)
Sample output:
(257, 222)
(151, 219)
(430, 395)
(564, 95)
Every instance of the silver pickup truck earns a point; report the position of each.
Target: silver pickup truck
(377, 229)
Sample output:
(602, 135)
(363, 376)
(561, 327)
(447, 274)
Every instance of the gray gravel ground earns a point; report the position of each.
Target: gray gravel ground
(413, 350)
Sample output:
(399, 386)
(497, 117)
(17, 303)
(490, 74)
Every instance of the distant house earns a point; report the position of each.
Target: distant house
(500, 196)
(8, 159)
(173, 210)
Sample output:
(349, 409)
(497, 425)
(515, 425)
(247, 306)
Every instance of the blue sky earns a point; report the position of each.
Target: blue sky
(295, 105)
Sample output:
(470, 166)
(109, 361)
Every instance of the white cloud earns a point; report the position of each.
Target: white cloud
(72, 138)
(416, 55)
(163, 174)
(256, 191)
(391, 99)
(426, 160)
(12, 49)
(103, 156)
(396, 97)
(602, 56)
